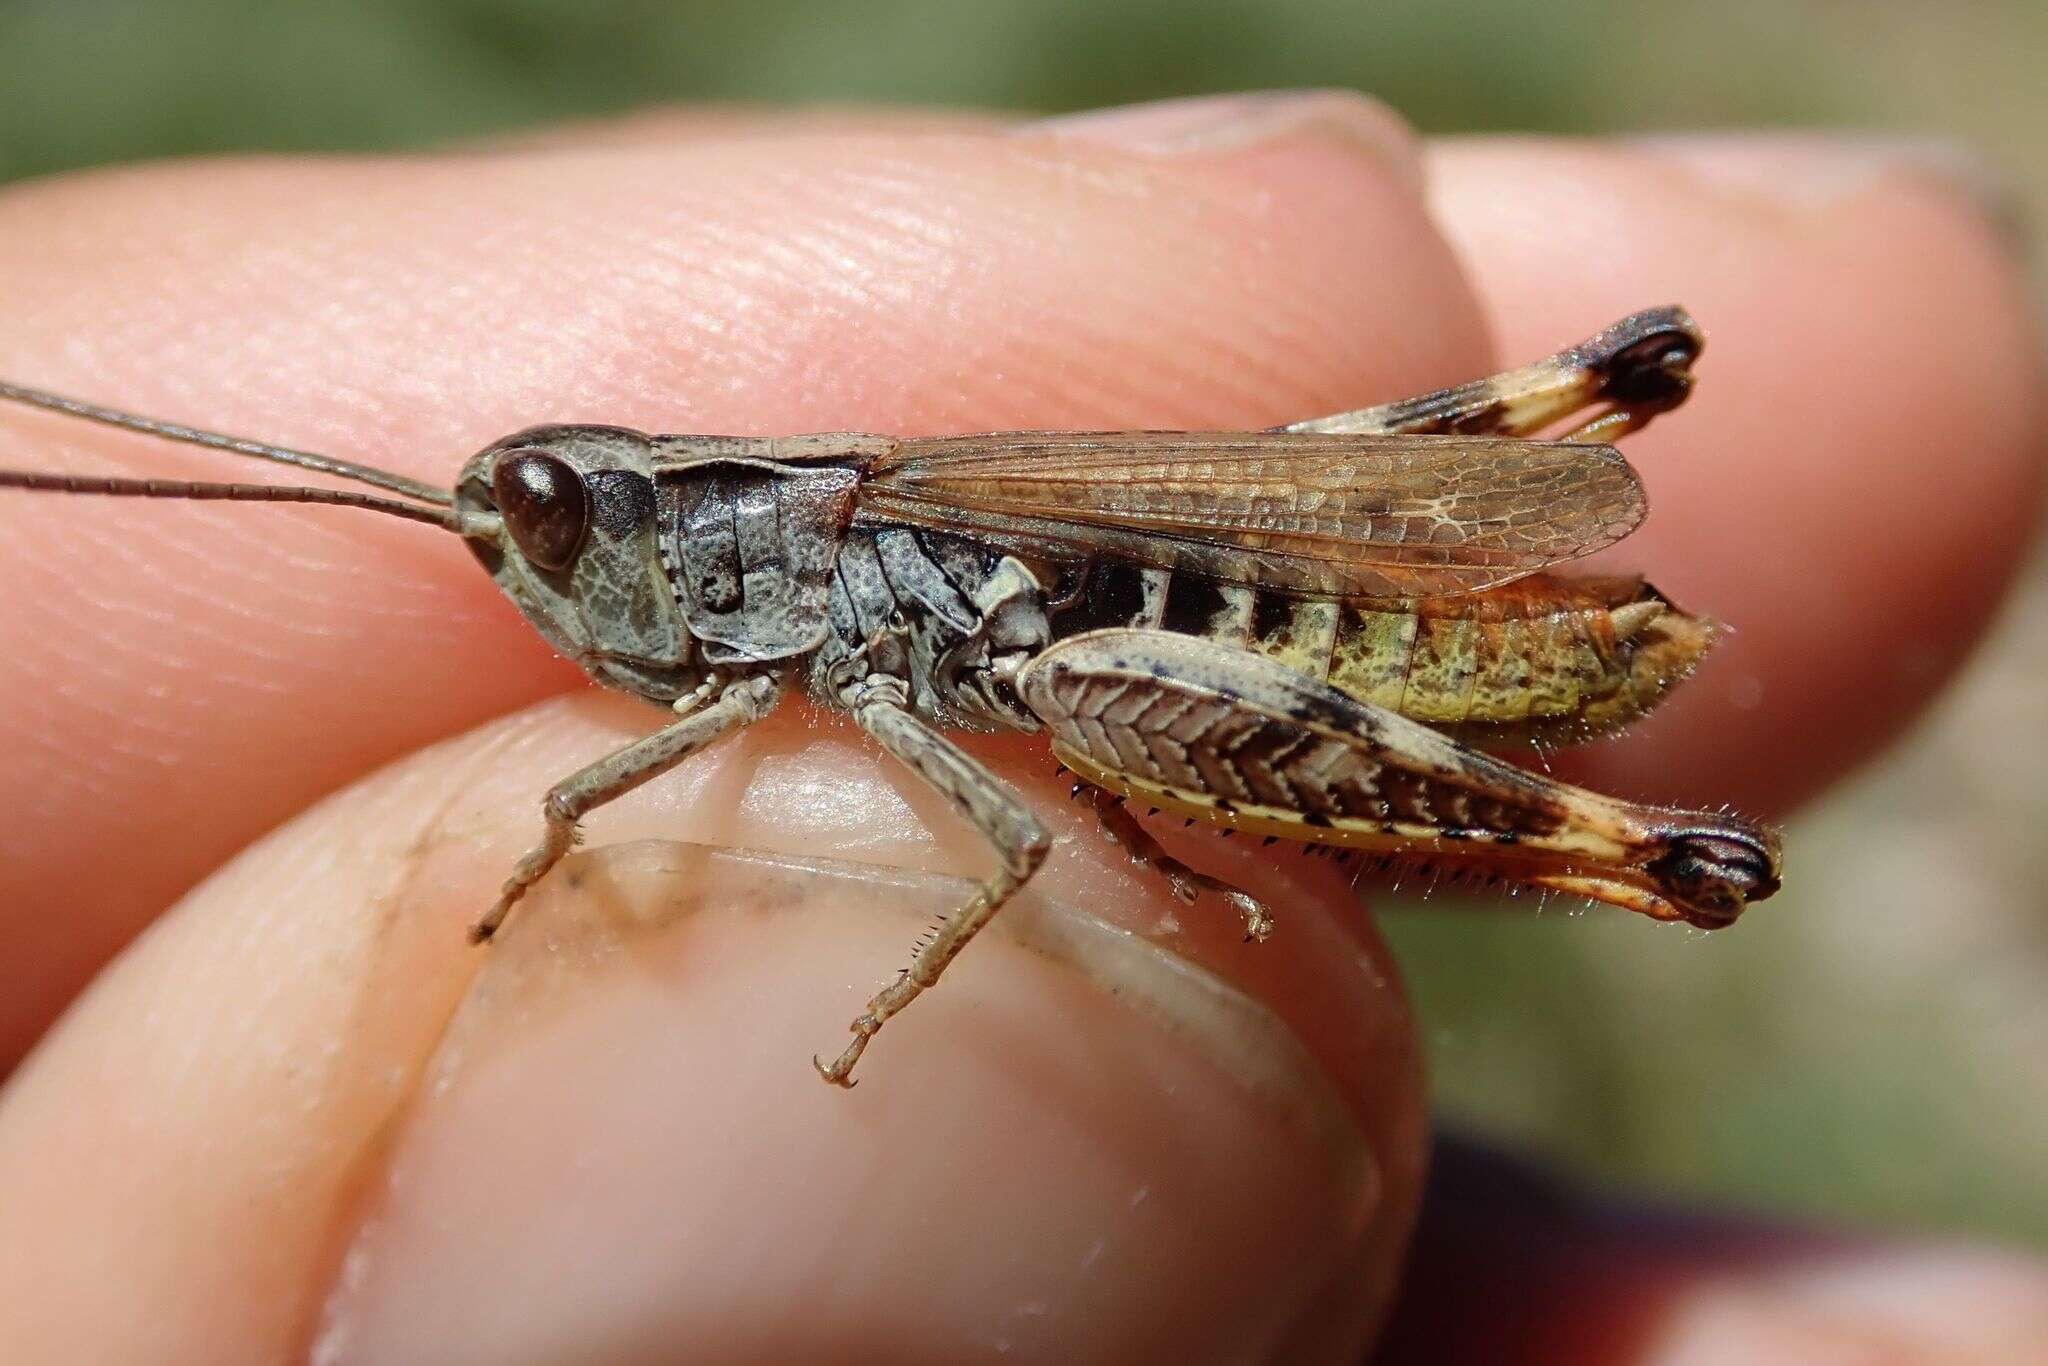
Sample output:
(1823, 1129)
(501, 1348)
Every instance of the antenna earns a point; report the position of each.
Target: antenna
(445, 517)
(434, 506)
(194, 436)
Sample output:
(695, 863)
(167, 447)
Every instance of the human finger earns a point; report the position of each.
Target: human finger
(1856, 478)
(302, 1109)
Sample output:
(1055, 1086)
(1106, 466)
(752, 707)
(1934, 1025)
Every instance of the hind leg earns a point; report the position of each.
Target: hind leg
(1639, 367)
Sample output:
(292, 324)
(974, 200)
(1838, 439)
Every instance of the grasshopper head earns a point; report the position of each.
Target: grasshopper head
(563, 518)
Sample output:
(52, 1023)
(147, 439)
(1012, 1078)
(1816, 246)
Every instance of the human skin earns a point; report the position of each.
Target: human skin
(300, 1109)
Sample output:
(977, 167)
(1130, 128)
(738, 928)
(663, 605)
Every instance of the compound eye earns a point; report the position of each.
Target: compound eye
(544, 504)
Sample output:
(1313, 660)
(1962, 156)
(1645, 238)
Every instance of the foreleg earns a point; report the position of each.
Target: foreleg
(618, 773)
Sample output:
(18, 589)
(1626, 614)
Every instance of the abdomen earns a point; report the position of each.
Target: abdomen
(1543, 660)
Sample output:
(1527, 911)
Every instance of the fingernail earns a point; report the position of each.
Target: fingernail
(1807, 171)
(620, 1150)
(1222, 123)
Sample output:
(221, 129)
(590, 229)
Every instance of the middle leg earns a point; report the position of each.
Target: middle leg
(1004, 821)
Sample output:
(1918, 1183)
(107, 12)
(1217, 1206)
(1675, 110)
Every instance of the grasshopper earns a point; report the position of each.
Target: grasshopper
(1314, 632)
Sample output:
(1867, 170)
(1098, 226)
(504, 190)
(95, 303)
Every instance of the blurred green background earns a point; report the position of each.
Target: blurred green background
(1874, 1049)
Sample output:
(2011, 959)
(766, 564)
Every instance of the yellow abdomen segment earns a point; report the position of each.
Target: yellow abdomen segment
(1542, 660)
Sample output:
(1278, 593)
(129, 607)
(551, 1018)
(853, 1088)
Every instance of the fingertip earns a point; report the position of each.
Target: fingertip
(1211, 124)
(1856, 479)
(1022, 1106)
(1109, 1080)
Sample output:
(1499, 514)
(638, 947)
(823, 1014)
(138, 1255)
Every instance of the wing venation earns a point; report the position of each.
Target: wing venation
(1343, 515)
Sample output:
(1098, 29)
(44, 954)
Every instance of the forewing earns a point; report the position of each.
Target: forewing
(1345, 515)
